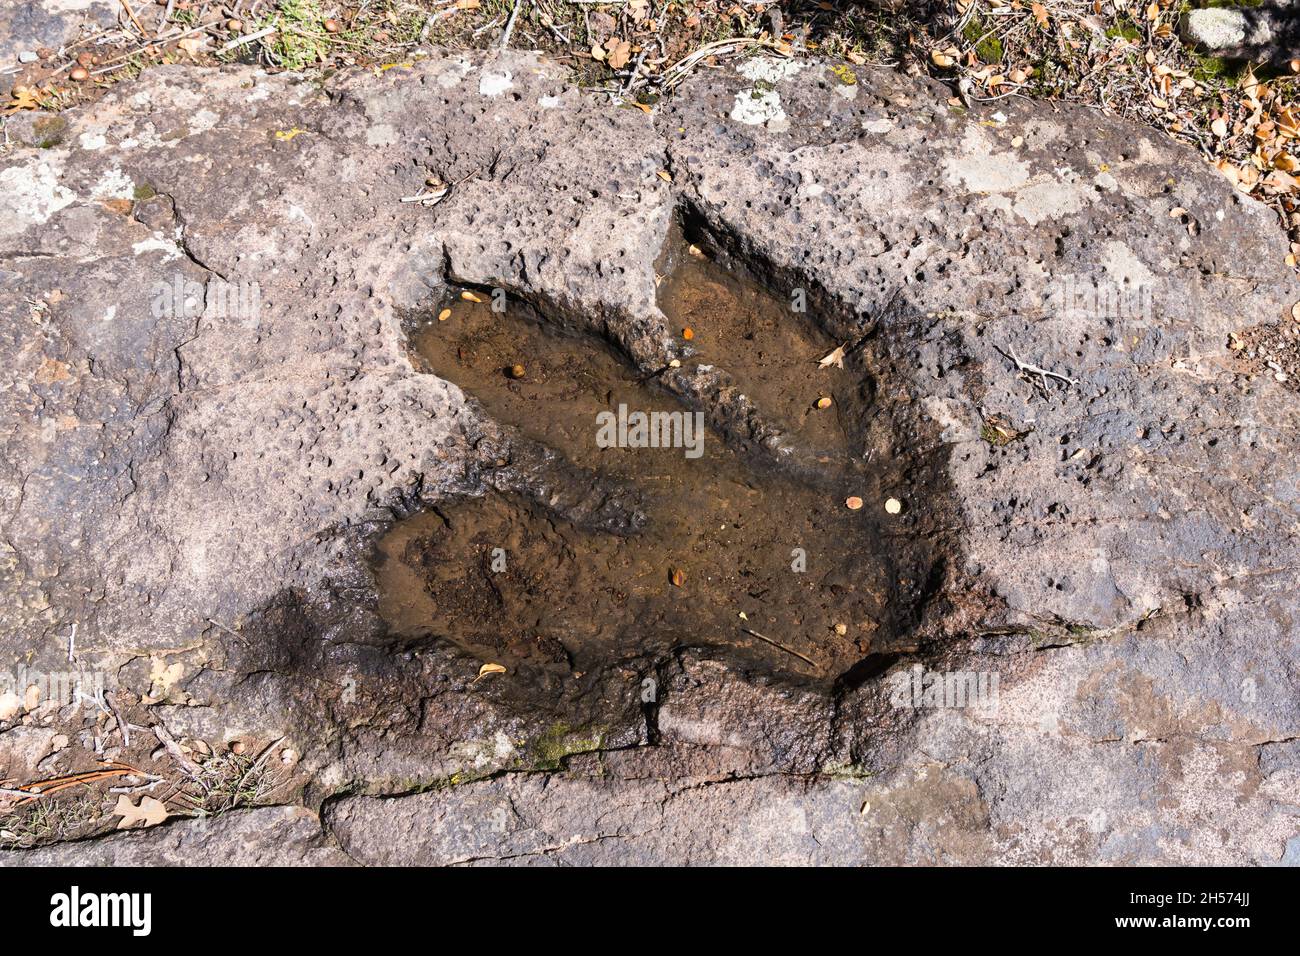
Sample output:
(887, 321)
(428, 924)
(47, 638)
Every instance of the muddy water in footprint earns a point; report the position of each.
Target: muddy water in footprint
(732, 548)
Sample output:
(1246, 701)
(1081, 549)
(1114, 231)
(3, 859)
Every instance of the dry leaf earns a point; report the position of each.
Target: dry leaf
(662, 174)
(489, 669)
(1040, 14)
(192, 45)
(150, 812)
(620, 51)
(835, 357)
(597, 52)
(1219, 128)
(941, 59)
(24, 98)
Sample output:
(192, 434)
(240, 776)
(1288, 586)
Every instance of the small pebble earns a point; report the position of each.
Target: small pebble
(893, 506)
(853, 502)
(237, 747)
(86, 59)
(444, 315)
(823, 402)
(516, 371)
(688, 333)
(333, 26)
(79, 74)
(27, 56)
(841, 629)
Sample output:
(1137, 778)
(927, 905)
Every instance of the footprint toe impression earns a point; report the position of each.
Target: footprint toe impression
(743, 458)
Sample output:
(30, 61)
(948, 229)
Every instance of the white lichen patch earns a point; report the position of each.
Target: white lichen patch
(203, 120)
(980, 168)
(878, 126)
(548, 102)
(381, 134)
(494, 84)
(1047, 197)
(1124, 267)
(113, 184)
(157, 243)
(758, 107)
(29, 196)
(768, 69)
(92, 141)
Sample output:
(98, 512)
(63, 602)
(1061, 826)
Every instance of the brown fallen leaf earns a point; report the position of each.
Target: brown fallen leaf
(1040, 14)
(150, 812)
(24, 98)
(620, 51)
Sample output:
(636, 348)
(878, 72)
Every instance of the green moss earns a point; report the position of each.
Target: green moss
(987, 48)
(49, 131)
(143, 192)
(1227, 3)
(1215, 70)
(997, 432)
(561, 741)
(300, 39)
(847, 771)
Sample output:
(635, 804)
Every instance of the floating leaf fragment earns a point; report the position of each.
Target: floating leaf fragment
(489, 669)
(150, 812)
(834, 357)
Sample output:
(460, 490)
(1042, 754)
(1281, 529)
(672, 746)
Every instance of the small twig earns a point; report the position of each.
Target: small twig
(779, 646)
(122, 723)
(510, 24)
(235, 44)
(131, 13)
(167, 740)
(1042, 373)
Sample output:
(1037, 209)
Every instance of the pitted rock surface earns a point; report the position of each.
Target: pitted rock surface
(204, 488)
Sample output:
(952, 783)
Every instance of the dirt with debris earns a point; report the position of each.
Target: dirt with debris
(1271, 352)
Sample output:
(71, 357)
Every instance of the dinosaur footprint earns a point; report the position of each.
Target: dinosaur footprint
(750, 541)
